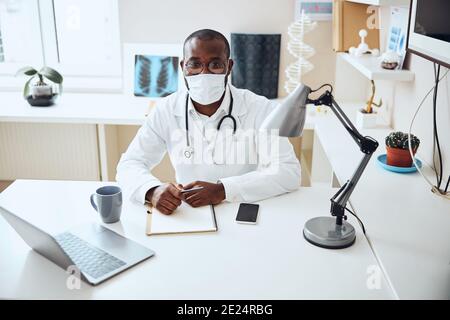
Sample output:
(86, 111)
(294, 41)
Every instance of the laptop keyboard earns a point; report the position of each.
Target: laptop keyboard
(89, 259)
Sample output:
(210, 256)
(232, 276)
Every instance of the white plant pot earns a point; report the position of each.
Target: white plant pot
(37, 91)
(366, 120)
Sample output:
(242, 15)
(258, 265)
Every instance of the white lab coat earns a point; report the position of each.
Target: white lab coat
(249, 173)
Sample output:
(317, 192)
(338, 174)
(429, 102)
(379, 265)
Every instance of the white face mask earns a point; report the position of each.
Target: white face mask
(206, 88)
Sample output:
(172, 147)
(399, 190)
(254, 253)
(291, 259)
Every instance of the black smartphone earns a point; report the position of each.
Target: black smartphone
(247, 213)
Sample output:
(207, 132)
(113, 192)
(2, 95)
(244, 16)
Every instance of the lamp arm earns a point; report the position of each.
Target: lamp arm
(340, 199)
(346, 122)
(328, 100)
(367, 145)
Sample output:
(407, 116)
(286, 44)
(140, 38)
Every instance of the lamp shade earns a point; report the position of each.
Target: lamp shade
(289, 117)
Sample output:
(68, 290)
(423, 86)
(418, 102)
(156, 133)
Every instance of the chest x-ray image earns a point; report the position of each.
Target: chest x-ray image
(155, 76)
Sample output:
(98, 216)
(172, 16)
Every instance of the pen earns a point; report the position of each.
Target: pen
(192, 189)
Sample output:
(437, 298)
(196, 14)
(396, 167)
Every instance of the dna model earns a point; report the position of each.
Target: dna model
(300, 50)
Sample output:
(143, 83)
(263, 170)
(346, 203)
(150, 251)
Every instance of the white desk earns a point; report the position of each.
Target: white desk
(268, 261)
(408, 226)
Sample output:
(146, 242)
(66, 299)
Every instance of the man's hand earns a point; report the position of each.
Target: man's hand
(166, 198)
(212, 193)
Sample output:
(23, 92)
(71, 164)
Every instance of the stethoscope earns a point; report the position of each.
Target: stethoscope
(189, 150)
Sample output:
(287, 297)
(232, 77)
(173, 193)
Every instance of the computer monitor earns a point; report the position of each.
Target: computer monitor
(429, 30)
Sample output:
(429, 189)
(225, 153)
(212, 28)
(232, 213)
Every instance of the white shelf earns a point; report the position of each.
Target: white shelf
(370, 67)
(383, 2)
(80, 108)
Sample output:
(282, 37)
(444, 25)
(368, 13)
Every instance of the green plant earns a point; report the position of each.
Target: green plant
(45, 72)
(399, 140)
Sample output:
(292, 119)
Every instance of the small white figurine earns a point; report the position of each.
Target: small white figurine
(363, 47)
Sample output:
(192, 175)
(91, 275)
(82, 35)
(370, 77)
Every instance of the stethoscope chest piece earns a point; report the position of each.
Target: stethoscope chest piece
(188, 152)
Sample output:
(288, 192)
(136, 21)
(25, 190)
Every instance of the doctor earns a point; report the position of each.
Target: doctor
(210, 131)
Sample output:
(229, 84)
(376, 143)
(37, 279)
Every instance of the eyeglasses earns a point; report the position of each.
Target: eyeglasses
(197, 67)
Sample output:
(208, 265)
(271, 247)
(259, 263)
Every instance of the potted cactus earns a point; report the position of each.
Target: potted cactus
(39, 92)
(398, 150)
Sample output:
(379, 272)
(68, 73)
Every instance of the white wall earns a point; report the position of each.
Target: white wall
(407, 99)
(171, 21)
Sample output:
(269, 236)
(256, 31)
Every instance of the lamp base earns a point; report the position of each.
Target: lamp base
(325, 233)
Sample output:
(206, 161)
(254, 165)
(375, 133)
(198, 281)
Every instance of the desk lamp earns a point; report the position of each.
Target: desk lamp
(289, 119)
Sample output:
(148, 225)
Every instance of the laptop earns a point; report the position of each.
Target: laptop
(98, 252)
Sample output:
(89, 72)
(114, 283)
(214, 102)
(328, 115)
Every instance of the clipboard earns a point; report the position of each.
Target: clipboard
(184, 220)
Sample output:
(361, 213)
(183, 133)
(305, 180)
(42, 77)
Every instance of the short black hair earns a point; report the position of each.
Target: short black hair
(208, 34)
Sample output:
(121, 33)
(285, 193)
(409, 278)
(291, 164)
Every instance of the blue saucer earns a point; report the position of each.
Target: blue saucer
(382, 162)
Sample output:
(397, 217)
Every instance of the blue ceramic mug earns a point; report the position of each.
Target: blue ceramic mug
(107, 201)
